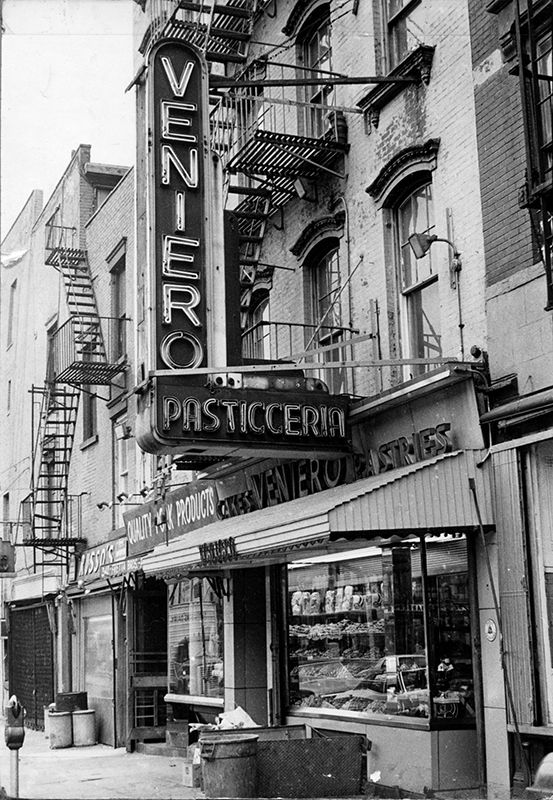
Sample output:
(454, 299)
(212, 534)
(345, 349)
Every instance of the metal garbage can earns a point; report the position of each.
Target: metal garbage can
(84, 728)
(61, 729)
(229, 765)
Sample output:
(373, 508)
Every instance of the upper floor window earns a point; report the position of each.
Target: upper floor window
(100, 194)
(315, 56)
(257, 333)
(11, 313)
(117, 262)
(121, 470)
(326, 315)
(544, 103)
(119, 308)
(417, 278)
(89, 406)
(403, 28)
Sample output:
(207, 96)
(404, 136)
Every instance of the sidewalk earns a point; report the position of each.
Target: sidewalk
(91, 773)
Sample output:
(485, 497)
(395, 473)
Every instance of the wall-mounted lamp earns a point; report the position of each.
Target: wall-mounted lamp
(122, 430)
(420, 245)
(103, 505)
(422, 242)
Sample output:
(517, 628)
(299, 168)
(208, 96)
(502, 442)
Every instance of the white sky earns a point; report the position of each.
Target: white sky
(65, 67)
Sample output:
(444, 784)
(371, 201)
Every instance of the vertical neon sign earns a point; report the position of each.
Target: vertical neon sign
(179, 224)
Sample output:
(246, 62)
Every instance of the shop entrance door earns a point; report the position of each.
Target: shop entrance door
(31, 662)
(147, 667)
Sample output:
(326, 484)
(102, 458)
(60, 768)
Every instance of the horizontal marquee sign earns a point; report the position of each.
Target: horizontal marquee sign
(185, 509)
(95, 560)
(222, 421)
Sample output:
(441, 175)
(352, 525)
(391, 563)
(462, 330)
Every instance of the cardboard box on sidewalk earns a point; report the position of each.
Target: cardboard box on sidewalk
(191, 774)
(192, 770)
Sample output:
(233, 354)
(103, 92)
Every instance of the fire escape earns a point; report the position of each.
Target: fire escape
(533, 31)
(265, 141)
(79, 356)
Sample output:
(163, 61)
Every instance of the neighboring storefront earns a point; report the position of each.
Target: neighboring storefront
(97, 622)
(523, 505)
(343, 594)
(32, 643)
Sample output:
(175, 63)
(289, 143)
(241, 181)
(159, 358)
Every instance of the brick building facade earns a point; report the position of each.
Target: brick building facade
(369, 158)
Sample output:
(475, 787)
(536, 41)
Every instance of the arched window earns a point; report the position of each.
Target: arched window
(314, 55)
(417, 278)
(403, 190)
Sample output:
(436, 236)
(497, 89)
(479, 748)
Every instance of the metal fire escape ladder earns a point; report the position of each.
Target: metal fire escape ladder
(53, 443)
(222, 31)
(81, 354)
(81, 301)
(252, 214)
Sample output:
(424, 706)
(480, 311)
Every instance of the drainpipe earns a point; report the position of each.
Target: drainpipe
(342, 200)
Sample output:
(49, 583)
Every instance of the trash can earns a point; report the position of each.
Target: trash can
(229, 765)
(84, 728)
(60, 728)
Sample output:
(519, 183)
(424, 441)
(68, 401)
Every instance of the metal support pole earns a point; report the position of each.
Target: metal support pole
(14, 773)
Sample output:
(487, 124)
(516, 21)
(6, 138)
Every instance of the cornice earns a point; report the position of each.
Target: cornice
(315, 229)
(417, 65)
(423, 155)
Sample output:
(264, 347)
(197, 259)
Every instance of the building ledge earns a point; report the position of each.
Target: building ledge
(418, 387)
(417, 65)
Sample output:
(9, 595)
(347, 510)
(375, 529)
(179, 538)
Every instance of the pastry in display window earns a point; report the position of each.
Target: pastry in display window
(357, 634)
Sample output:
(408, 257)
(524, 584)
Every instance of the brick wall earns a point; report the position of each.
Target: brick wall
(92, 461)
(444, 109)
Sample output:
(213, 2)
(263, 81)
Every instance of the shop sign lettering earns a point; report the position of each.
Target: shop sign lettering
(93, 561)
(263, 421)
(281, 483)
(183, 510)
(218, 552)
(417, 446)
(179, 163)
(119, 568)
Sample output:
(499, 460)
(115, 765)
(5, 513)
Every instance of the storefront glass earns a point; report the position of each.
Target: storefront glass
(195, 639)
(362, 626)
(98, 656)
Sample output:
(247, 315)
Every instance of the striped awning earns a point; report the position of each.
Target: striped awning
(431, 496)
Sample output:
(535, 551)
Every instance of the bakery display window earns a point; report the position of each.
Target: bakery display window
(382, 631)
(195, 639)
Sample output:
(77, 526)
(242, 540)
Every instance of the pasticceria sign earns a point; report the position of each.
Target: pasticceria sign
(186, 287)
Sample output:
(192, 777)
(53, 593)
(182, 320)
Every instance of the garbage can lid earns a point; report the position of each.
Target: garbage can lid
(228, 738)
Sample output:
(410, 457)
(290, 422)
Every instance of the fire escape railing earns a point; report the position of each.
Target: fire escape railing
(282, 341)
(276, 135)
(88, 351)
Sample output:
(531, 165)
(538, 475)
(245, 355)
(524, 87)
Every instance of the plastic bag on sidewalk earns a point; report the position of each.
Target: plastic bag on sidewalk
(235, 719)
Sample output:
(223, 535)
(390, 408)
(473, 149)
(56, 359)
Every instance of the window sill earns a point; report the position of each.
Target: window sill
(88, 442)
(532, 196)
(194, 700)
(417, 65)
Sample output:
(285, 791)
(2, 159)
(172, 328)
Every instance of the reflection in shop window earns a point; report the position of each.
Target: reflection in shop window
(98, 656)
(357, 632)
(195, 639)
